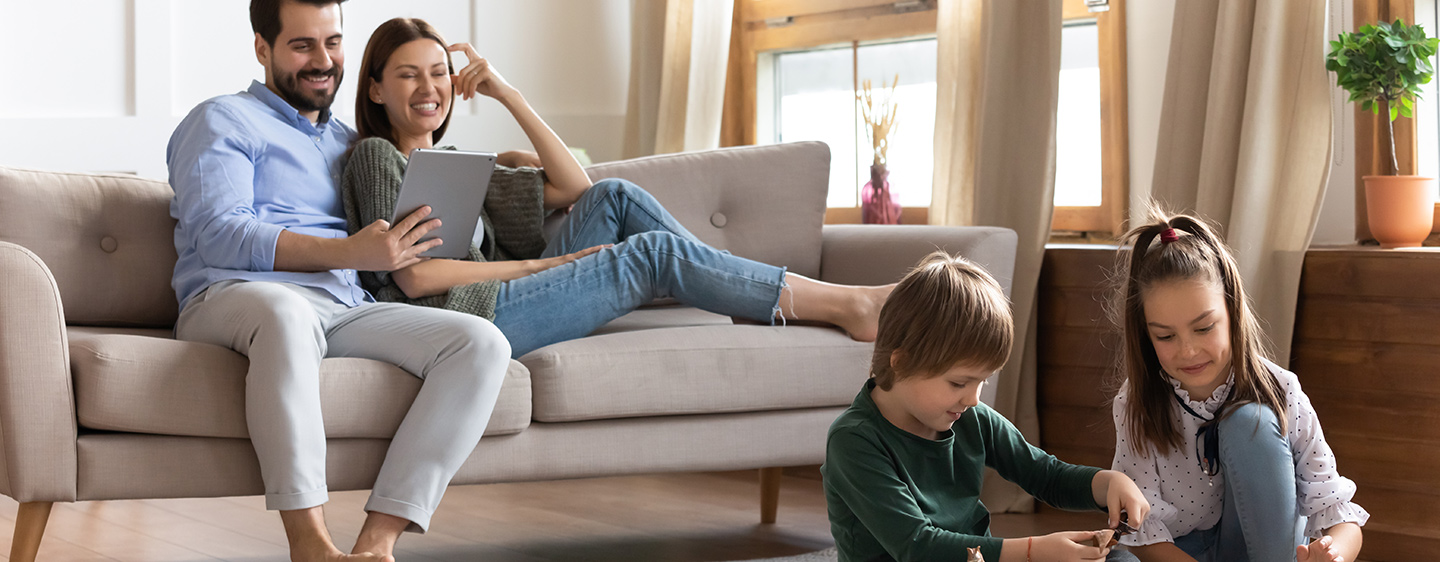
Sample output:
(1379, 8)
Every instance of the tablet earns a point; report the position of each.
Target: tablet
(453, 183)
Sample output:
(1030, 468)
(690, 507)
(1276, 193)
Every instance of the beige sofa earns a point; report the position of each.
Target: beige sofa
(99, 402)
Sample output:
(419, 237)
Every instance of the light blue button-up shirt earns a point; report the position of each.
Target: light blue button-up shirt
(245, 167)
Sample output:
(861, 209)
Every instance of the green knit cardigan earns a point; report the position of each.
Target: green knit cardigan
(513, 216)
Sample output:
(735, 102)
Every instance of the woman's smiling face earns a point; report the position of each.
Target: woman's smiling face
(415, 88)
(1190, 328)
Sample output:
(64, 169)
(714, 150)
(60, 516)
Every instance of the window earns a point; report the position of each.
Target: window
(812, 93)
(1091, 138)
(1427, 113)
(1077, 118)
(799, 63)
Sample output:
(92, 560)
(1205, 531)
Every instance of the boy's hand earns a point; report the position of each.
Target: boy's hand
(1066, 546)
(1121, 494)
(1318, 551)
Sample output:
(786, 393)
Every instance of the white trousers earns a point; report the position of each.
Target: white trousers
(287, 329)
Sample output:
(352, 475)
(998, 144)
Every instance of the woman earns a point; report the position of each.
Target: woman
(617, 249)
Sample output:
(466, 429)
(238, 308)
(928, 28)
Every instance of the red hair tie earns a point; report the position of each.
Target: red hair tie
(1169, 235)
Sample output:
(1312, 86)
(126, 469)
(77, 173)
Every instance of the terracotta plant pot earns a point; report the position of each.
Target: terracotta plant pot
(1401, 209)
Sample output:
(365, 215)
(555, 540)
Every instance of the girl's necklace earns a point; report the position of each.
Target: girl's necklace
(1209, 435)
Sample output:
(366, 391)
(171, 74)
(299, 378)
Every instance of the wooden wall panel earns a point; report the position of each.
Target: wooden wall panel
(1076, 351)
(1366, 350)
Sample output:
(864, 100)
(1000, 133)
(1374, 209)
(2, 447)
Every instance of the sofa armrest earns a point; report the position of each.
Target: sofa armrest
(877, 254)
(37, 399)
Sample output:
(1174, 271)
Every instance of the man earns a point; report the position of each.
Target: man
(265, 268)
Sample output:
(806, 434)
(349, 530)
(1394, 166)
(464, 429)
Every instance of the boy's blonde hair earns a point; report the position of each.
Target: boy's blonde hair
(945, 312)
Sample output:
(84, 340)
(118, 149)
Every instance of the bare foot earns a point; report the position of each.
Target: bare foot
(862, 321)
(328, 553)
(379, 533)
(310, 542)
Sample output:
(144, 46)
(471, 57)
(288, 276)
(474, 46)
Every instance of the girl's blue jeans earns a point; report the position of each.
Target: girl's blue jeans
(653, 257)
(1261, 521)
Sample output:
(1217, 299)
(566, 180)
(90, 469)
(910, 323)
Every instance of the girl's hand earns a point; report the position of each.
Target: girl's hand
(519, 159)
(1318, 551)
(557, 261)
(1121, 494)
(1066, 546)
(478, 77)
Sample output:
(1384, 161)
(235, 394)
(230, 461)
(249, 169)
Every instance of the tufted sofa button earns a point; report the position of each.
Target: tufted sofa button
(718, 219)
(108, 244)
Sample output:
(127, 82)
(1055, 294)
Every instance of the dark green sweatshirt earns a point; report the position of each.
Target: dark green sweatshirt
(894, 495)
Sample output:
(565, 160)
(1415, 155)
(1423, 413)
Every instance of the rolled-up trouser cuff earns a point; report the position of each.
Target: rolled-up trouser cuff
(419, 518)
(298, 500)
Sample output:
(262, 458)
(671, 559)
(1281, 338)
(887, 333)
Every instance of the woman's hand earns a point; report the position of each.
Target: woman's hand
(1066, 546)
(557, 261)
(519, 159)
(1321, 550)
(478, 77)
(1121, 494)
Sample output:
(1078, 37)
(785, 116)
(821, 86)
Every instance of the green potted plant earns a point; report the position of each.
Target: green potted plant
(1382, 66)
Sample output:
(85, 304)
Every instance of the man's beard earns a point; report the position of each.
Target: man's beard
(305, 99)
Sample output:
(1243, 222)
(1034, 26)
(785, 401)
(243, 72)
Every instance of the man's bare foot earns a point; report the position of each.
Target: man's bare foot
(316, 551)
(862, 322)
(379, 533)
(310, 541)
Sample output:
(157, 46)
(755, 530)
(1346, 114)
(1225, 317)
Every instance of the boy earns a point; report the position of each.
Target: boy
(904, 464)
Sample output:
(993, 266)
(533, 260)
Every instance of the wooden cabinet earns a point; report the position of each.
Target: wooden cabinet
(1366, 349)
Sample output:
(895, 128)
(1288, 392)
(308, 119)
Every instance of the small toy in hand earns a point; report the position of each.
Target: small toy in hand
(974, 555)
(1107, 538)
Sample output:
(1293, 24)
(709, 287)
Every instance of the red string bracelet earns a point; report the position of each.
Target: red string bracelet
(1029, 542)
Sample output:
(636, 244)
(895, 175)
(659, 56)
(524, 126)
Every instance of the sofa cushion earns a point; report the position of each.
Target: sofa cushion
(134, 381)
(766, 203)
(684, 361)
(108, 240)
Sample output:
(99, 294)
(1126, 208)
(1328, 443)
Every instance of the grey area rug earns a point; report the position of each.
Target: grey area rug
(827, 555)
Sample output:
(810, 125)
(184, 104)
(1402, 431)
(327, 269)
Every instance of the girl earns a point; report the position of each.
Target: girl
(585, 275)
(1222, 441)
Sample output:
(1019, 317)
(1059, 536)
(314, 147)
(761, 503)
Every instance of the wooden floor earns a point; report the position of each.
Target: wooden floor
(676, 517)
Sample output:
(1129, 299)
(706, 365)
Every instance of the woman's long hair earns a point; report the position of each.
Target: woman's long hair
(1197, 254)
(370, 117)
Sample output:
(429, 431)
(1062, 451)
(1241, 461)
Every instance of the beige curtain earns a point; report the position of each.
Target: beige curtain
(1246, 142)
(678, 55)
(999, 73)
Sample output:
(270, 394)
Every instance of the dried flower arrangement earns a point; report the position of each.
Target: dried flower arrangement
(877, 206)
(879, 120)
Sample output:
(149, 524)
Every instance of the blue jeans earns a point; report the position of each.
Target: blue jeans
(1260, 522)
(653, 257)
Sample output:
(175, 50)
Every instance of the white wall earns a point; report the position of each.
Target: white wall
(1147, 34)
(99, 85)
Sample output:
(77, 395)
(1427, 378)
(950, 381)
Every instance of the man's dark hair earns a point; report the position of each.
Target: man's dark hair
(265, 16)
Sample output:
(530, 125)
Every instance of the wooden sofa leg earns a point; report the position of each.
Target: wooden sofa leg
(769, 493)
(29, 528)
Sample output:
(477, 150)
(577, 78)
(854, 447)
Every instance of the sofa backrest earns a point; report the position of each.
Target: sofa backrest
(766, 203)
(107, 239)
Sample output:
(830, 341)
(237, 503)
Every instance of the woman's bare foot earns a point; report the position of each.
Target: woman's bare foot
(853, 308)
(863, 321)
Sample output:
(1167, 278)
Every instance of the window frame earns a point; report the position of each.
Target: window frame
(816, 23)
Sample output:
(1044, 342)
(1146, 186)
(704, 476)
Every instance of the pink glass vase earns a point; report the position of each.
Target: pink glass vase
(877, 205)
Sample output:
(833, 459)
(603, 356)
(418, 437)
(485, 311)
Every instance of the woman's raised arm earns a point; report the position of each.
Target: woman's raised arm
(566, 179)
